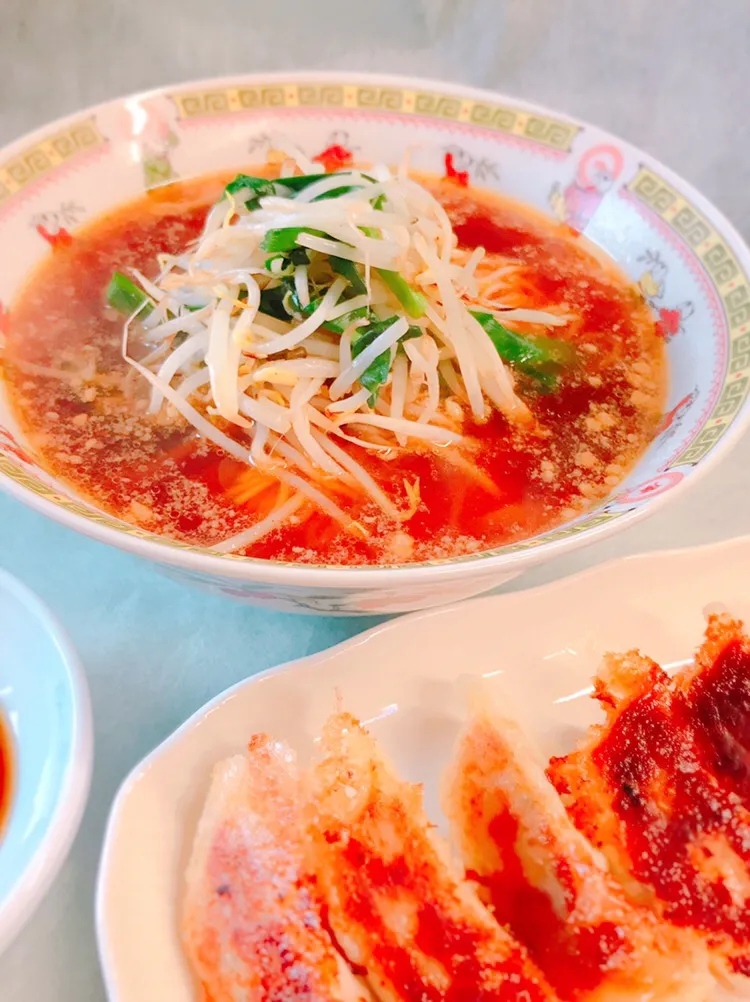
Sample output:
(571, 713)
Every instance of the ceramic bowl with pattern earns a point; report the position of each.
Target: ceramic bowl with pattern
(686, 258)
(48, 749)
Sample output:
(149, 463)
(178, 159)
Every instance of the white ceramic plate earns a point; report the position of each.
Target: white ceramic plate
(542, 646)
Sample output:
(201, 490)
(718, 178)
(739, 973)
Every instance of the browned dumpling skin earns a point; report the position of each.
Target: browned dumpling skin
(544, 880)
(252, 924)
(399, 910)
(662, 787)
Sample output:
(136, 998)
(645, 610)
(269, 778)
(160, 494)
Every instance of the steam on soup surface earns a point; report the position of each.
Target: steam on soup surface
(348, 369)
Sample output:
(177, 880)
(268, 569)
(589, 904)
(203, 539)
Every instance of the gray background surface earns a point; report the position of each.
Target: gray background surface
(672, 77)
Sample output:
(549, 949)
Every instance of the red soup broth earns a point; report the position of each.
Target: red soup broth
(73, 395)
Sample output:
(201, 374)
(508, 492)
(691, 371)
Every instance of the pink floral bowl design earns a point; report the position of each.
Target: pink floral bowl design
(687, 259)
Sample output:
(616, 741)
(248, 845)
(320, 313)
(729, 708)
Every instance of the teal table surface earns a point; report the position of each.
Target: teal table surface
(672, 78)
(154, 651)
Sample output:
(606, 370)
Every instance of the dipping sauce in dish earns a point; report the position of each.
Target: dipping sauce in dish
(6, 772)
(514, 375)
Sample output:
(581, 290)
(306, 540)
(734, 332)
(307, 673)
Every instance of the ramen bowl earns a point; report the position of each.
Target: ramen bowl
(686, 259)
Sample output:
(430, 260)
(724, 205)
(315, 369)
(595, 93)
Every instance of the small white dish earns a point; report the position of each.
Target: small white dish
(44, 699)
(404, 679)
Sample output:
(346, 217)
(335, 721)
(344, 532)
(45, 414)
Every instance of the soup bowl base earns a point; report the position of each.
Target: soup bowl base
(342, 602)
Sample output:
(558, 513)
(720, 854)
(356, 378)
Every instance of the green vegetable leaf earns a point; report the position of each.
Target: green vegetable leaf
(283, 265)
(364, 336)
(340, 324)
(343, 190)
(262, 187)
(300, 182)
(349, 271)
(555, 350)
(335, 192)
(284, 241)
(377, 371)
(126, 297)
(375, 375)
(542, 358)
(412, 301)
(272, 302)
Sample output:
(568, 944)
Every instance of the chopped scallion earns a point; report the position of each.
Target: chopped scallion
(125, 296)
(542, 358)
(349, 271)
(412, 301)
(284, 241)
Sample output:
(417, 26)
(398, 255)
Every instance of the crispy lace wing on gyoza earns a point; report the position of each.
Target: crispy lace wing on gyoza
(251, 921)
(549, 886)
(398, 909)
(717, 687)
(662, 787)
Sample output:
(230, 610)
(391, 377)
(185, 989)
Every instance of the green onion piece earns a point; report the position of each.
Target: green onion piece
(377, 371)
(126, 297)
(263, 187)
(335, 192)
(272, 302)
(300, 255)
(375, 375)
(300, 182)
(344, 189)
(559, 352)
(281, 301)
(364, 336)
(278, 265)
(340, 324)
(285, 240)
(283, 265)
(412, 301)
(540, 357)
(348, 270)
